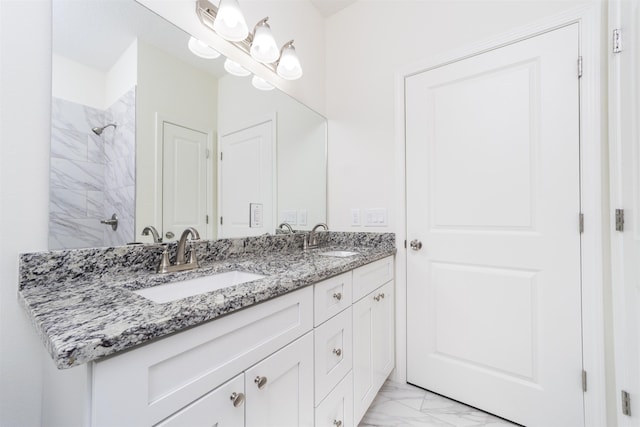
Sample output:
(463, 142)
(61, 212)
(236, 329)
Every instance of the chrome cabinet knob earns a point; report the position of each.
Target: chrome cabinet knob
(337, 352)
(416, 244)
(379, 297)
(237, 399)
(337, 423)
(338, 296)
(169, 235)
(260, 382)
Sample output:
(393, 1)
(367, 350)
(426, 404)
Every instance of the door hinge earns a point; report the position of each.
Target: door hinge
(207, 153)
(581, 226)
(626, 403)
(221, 156)
(617, 40)
(584, 381)
(206, 218)
(220, 220)
(619, 219)
(405, 244)
(579, 66)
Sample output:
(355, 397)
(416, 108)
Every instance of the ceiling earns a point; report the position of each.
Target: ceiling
(329, 7)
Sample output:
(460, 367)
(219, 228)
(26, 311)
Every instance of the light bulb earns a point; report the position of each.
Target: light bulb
(263, 47)
(201, 49)
(289, 67)
(235, 69)
(229, 22)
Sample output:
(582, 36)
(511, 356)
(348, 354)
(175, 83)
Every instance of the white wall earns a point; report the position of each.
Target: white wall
(183, 95)
(362, 61)
(25, 87)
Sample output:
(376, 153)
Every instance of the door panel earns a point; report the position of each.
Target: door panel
(246, 178)
(184, 180)
(494, 299)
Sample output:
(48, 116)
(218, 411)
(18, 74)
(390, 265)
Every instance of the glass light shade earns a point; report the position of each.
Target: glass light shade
(264, 48)
(260, 83)
(229, 22)
(289, 67)
(201, 49)
(236, 69)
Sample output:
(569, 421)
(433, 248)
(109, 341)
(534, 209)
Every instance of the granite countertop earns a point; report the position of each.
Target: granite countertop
(84, 318)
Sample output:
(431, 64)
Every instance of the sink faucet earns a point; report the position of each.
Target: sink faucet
(181, 264)
(311, 239)
(151, 229)
(285, 227)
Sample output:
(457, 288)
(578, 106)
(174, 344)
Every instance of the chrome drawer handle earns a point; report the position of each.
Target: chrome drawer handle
(260, 382)
(338, 296)
(237, 399)
(337, 352)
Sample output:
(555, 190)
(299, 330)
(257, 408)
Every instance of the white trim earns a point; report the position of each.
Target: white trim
(591, 113)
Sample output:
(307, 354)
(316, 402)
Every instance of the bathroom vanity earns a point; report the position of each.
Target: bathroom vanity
(311, 343)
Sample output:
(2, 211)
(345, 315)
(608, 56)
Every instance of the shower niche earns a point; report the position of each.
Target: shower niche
(92, 173)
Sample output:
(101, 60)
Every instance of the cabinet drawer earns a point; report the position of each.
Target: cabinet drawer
(331, 296)
(214, 408)
(371, 276)
(337, 407)
(333, 352)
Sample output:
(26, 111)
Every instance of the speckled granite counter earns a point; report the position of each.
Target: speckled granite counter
(82, 305)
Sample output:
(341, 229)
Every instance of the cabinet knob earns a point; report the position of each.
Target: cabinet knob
(337, 352)
(260, 382)
(237, 399)
(338, 296)
(337, 423)
(169, 235)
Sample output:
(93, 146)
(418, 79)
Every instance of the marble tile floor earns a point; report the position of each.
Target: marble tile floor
(403, 405)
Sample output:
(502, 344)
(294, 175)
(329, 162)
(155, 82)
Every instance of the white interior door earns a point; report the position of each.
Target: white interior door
(625, 195)
(493, 296)
(184, 181)
(247, 189)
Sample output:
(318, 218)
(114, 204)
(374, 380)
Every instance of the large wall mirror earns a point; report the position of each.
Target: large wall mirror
(145, 131)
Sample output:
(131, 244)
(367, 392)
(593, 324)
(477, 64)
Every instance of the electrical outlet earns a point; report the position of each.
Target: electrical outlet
(355, 217)
(375, 217)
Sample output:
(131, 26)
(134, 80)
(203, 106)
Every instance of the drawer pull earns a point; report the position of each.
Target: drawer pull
(337, 423)
(338, 296)
(337, 352)
(379, 297)
(260, 382)
(237, 399)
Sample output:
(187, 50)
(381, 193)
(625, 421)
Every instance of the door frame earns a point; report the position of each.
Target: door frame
(273, 118)
(591, 192)
(160, 120)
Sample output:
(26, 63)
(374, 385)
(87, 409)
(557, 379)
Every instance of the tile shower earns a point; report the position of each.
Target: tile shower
(91, 176)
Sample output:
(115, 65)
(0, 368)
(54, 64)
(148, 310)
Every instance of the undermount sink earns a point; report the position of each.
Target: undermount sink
(339, 254)
(187, 288)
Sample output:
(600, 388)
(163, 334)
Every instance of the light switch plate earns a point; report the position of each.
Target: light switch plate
(302, 217)
(375, 217)
(355, 217)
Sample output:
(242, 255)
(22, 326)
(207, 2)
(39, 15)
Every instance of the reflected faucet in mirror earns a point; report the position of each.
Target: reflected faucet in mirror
(151, 229)
(286, 227)
(180, 264)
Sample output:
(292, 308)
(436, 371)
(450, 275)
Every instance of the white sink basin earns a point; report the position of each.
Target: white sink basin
(187, 288)
(339, 254)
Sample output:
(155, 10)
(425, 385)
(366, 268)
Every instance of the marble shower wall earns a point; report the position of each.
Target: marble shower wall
(91, 177)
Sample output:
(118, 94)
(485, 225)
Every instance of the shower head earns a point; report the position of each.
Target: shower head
(98, 131)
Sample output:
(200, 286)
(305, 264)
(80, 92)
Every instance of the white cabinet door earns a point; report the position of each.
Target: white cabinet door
(223, 407)
(279, 389)
(373, 346)
(336, 410)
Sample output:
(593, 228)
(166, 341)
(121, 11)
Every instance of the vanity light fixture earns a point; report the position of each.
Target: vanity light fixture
(235, 69)
(229, 22)
(289, 67)
(201, 49)
(261, 84)
(263, 46)
(259, 44)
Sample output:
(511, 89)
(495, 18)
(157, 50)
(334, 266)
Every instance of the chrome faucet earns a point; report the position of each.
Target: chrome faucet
(151, 229)
(286, 227)
(181, 263)
(311, 239)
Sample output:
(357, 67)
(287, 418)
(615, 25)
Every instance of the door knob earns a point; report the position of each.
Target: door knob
(416, 244)
(169, 235)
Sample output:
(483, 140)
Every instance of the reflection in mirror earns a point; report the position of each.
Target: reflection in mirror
(190, 145)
